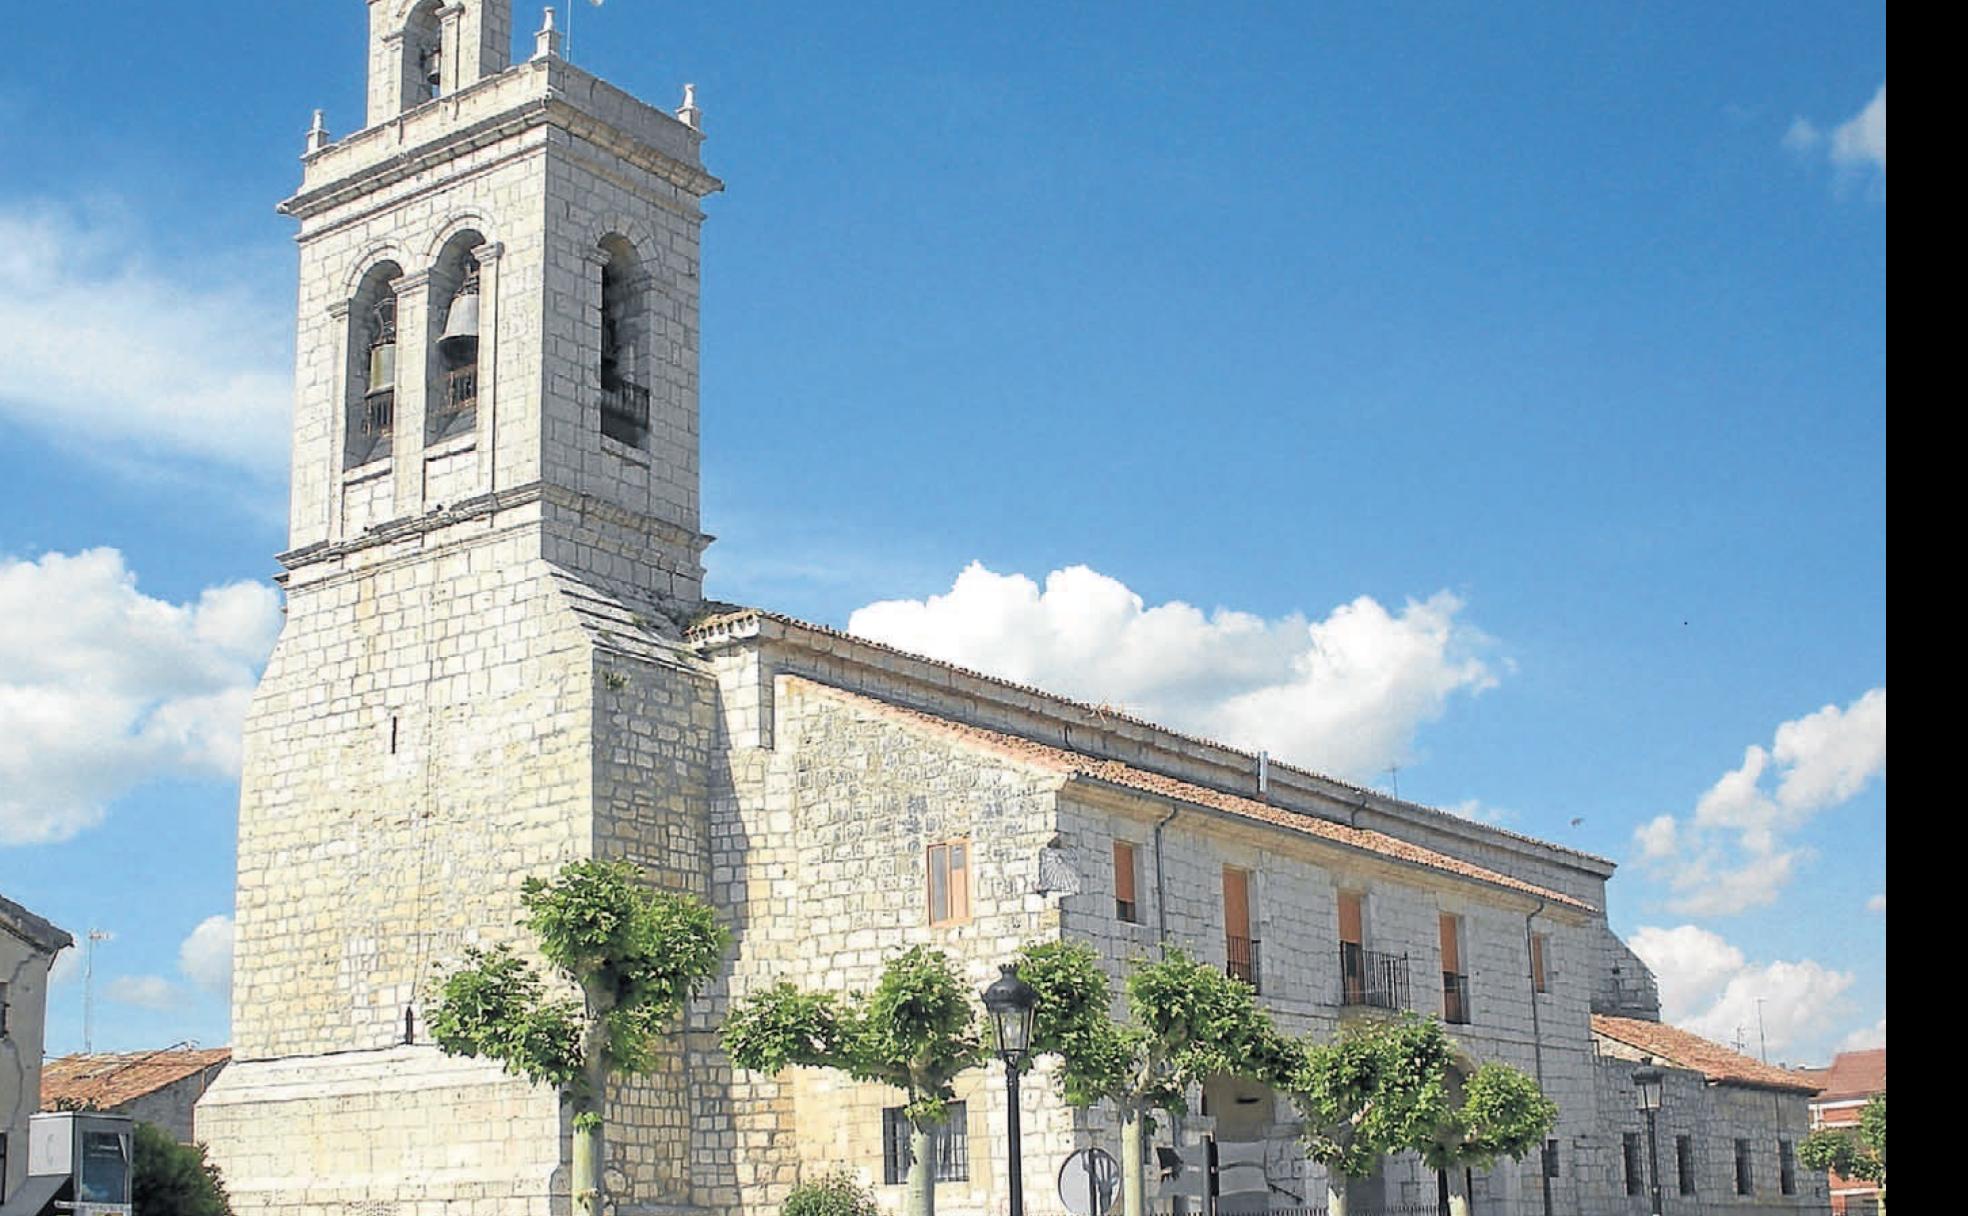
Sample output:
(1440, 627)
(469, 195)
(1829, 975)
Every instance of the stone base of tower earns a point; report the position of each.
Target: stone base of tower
(402, 1132)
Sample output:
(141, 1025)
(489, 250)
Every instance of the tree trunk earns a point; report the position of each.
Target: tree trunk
(589, 1105)
(1458, 1204)
(1335, 1196)
(587, 1158)
(919, 1196)
(1134, 1165)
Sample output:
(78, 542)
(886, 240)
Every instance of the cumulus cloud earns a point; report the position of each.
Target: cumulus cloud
(1865, 1037)
(1733, 853)
(1344, 694)
(1709, 987)
(105, 346)
(1857, 143)
(103, 687)
(144, 991)
(205, 956)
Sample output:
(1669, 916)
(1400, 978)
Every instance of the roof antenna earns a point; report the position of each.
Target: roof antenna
(89, 990)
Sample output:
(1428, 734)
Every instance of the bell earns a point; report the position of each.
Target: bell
(460, 338)
(382, 365)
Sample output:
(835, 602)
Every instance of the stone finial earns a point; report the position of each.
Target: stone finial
(546, 43)
(317, 136)
(688, 112)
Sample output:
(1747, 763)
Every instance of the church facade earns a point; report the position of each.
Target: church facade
(498, 657)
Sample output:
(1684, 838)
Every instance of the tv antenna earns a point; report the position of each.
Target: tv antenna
(89, 989)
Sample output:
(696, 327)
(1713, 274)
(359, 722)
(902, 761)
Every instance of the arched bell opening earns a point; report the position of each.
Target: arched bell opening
(370, 408)
(453, 358)
(423, 55)
(624, 354)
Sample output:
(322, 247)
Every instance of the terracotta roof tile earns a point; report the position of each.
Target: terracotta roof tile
(1853, 1074)
(706, 628)
(1684, 1049)
(1116, 773)
(106, 1081)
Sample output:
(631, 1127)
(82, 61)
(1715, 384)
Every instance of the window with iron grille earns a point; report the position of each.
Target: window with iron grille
(952, 1142)
(1636, 1180)
(1127, 868)
(1684, 1162)
(1745, 1173)
(1787, 1167)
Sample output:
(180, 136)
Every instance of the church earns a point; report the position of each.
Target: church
(498, 657)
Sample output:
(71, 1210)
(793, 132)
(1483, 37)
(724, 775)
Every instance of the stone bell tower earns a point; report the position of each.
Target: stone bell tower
(494, 535)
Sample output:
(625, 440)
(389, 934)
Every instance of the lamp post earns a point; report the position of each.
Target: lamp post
(1010, 1002)
(1647, 1097)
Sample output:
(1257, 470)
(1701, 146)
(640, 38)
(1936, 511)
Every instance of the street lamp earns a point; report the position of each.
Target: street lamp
(1647, 1097)
(1010, 1002)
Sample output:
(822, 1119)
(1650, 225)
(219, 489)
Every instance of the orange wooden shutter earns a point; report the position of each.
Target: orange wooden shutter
(1451, 948)
(1123, 871)
(1236, 903)
(960, 880)
(1349, 918)
(1537, 961)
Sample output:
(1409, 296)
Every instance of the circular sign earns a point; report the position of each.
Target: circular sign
(1089, 1181)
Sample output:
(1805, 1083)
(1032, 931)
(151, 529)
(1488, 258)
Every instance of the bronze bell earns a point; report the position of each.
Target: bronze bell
(459, 342)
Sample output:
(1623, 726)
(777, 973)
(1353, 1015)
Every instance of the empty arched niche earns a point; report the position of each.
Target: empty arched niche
(624, 344)
(453, 358)
(370, 407)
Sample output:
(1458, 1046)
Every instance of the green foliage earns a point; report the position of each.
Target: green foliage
(1073, 1021)
(1378, 1088)
(916, 1031)
(1853, 1153)
(172, 1179)
(836, 1194)
(1503, 1114)
(636, 954)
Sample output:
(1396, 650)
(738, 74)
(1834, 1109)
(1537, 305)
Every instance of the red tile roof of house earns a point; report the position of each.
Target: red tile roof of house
(1684, 1049)
(1114, 772)
(1852, 1075)
(105, 1081)
(727, 617)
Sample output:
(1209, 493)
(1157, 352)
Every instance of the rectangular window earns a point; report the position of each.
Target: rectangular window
(1537, 961)
(1127, 861)
(1550, 1158)
(952, 1142)
(1240, 948)
(1787, 1167)
(949, 883)
(1455, 983)
(1352, 918)
(1684, 1162)
(1636, 1178)
(1745, 1174)
(3, 1034)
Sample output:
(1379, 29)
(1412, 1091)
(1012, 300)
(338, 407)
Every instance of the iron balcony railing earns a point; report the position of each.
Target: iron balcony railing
(624, 412)
(1368, 977)
(456, 407)
(369, 437)
(1242, 961)
(1455, 998)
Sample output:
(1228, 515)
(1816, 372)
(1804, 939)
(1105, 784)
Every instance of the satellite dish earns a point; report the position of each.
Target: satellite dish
(1089, 1181)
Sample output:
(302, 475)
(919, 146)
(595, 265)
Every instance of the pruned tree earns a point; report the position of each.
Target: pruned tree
(634, 954)
(917, 1031)
(1502, 1113)
(1858, 1153)
(1379, 1087)
(1186, 1021)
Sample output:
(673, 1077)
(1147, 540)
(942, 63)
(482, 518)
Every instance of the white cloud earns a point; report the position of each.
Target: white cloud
(143, 991)
(1733, 853)
(1877, 903)
(67, 965)
(1343, 695)
(1856, 143)
(103, 687)
(1865, 1037)
(105, 347)
(1709, 987)
(205, 956)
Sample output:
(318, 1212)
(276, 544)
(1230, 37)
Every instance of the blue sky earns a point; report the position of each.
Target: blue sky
(1504, 389)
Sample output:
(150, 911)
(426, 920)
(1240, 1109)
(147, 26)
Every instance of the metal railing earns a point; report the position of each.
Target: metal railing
(1368, 977)
(1242, 964)
(457, 403)
(1455, 998)
(374, 423)
(624, 412)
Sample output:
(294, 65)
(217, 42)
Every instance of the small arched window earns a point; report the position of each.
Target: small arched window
(624, 356)
(371, 404)
(423, 55)
(452, 395)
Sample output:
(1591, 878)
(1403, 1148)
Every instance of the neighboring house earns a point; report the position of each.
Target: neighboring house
(1854, 1078)
(497, 657)
(1728, 1128)
(28, 946)
(159, 1087)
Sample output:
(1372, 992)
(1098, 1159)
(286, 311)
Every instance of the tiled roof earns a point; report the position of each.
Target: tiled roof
(709, 627)
(1115, 773)
(41, 934)
(1683, 1049)
(1853, 1074)
(106, 1081)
